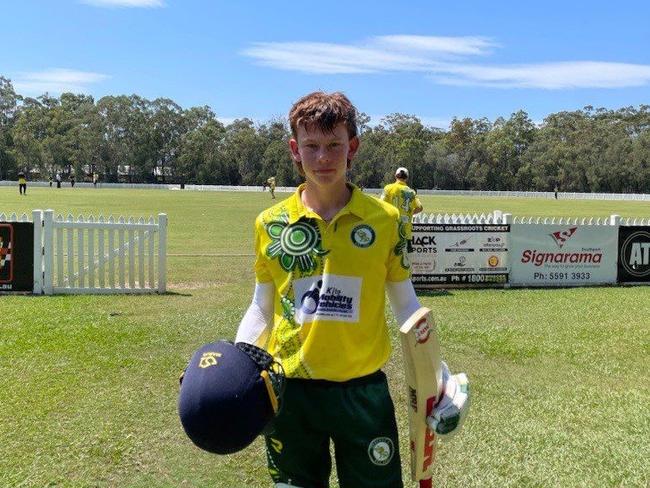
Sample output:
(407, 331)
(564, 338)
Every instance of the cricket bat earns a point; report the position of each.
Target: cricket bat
(421, 352)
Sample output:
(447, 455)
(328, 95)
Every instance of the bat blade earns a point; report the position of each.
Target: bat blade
(421, 352)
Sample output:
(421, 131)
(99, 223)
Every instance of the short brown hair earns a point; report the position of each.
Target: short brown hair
(323, 111)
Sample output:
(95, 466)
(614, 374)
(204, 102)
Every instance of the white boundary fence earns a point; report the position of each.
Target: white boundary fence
(421, 191)
(88, 255)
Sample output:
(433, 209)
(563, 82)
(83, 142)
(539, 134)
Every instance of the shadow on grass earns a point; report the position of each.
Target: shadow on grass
(178, 294)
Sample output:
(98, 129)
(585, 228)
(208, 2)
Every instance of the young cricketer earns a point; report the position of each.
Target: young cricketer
(324, 258)
(401, 196)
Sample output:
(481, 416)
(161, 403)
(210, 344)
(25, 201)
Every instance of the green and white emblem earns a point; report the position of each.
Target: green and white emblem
(381, 450)
(363, 235)
(295, 245)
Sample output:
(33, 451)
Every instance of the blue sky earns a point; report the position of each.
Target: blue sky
(435, 60)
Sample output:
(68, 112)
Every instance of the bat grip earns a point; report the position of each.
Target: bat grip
(426, 483)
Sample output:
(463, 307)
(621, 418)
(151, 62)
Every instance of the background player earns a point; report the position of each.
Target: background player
(22, 183)
(400, 195)
(271, 183)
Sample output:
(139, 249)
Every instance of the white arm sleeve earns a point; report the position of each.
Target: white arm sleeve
(257, 322)
(403, 300)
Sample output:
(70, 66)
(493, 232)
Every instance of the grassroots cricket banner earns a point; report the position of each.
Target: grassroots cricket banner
(459, 254)
(633, 254)
(16, 256)
(563, 254)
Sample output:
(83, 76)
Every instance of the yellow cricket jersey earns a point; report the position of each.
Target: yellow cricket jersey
(404, 198)
(329, 279)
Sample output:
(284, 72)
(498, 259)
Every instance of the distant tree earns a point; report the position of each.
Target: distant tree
(405, 145)
(370, 165)
(244, 149)
(8, 107)
(123, 125)
(640, 162)
(166, 129)
(201, 160)
(276, 159)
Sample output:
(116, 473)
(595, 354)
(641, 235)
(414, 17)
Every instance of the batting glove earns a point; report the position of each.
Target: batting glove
(448, 415)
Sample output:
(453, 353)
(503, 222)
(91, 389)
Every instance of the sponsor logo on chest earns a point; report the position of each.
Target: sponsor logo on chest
(327, 297)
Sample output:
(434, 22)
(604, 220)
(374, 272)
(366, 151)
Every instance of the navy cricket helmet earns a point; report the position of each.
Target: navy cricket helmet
(229, 394)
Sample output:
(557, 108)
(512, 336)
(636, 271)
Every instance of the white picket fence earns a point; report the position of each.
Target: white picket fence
(498, 217)
(14, 218)
(99, 255)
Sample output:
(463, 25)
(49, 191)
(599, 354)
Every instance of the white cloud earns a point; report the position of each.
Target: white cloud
(321, 58)
(125, 3)
(444, 60)
(577, 74)
(463, 46)
(55, 81)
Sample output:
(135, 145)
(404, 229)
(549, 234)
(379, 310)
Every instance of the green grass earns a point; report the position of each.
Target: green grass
(559, 376)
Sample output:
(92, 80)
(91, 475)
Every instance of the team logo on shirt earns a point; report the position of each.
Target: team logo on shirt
(296, 245)
(381, 451)
(363, 235)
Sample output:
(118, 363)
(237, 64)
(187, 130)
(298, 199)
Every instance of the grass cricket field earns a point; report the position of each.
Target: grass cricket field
(560, 378)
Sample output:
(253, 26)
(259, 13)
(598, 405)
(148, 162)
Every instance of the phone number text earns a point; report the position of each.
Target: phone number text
(562, 276)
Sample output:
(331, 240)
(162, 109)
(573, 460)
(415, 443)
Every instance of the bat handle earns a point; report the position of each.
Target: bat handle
(426, 483)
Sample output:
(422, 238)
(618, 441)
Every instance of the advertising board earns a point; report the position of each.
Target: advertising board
(459, 254)
(562, 254)
(633, 254)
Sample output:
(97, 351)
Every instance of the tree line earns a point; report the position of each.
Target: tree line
(130, 138)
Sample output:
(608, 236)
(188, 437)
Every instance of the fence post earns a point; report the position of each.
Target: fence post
(162, 253)
(507, 218)
(48, 251)
(614, 219)
(37, 217)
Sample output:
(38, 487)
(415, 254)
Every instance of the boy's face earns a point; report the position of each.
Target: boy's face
(322, 157)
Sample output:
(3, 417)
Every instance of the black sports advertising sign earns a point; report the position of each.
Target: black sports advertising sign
(16, 256)
(633, 254)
